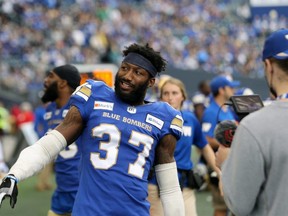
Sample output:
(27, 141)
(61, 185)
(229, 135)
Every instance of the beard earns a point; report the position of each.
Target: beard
(51, 93)
(134, 97)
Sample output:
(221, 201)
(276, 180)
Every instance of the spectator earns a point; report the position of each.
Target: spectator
(36, 34)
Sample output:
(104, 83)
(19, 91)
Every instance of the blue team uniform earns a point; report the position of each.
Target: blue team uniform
(66, 165)
(192, 135)
(118, 148)
(212, 115)
(40, 124)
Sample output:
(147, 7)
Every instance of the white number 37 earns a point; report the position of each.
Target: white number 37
(112, 148)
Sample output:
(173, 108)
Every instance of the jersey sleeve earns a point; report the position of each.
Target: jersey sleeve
(81, 98)
(176, 126)
(174, 121)
(199, 139)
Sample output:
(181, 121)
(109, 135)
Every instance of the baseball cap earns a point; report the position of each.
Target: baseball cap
(276, 45)
(221, 82)
(69, 73)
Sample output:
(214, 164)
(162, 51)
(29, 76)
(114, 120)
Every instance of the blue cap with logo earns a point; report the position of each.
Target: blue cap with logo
(276, 45)
(221, 82)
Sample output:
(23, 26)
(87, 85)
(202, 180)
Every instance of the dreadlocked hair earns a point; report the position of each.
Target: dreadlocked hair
(149, 53)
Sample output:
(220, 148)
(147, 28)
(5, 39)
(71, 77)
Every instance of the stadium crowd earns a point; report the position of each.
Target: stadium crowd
(200, 34)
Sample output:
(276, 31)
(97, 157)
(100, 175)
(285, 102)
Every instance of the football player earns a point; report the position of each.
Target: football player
(122, 137)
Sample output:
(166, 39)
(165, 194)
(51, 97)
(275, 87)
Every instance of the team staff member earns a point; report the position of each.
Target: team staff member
(122, 136)
(173, 92)
(255, 174)
(222, 89)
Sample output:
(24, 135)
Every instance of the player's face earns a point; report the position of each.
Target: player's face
(172, 94)
(50, 88)
(131, 83)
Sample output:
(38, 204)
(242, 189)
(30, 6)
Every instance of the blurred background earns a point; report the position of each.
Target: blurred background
(199, 38)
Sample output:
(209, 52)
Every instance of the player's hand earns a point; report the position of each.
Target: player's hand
(8, 188)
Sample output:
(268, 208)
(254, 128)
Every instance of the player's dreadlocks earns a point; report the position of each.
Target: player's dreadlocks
(149, 53)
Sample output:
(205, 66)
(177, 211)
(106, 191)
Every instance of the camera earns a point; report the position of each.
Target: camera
(242, 105)
(245, 104)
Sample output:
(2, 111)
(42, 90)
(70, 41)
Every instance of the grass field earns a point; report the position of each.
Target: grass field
(34, 203)
(30, 201)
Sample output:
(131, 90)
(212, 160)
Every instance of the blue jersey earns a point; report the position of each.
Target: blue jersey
(118, 149)
(67, 161)
(40, 125)
(192, 135)
(212, 115)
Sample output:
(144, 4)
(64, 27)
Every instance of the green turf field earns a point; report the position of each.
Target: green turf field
(30, 202)
(33, 203)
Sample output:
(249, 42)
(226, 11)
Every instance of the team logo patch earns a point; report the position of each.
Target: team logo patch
(206, 126)
(131, 110)
(103, 105)
(47, 115)
(187, 131)
(83, 91)
(177, 123)
(154, 121)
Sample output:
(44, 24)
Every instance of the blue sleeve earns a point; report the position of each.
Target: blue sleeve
(172, 119)
(199, 139)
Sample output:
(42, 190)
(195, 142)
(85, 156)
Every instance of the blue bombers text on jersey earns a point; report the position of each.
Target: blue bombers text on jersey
(118, 148)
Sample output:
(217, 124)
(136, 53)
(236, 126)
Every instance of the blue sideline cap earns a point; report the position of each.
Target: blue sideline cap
(276, 45)
(221, 82)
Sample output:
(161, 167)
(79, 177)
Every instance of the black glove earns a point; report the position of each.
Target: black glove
(224, 132)
(8, 188)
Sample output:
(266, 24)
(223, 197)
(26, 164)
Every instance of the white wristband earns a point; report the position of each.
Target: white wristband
(33, 158)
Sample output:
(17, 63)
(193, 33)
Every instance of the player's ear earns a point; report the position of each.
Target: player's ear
(268, 64)
(62, 83)
(151, 82)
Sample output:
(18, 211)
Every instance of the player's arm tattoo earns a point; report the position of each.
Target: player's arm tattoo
(165, 150)
(72, 125)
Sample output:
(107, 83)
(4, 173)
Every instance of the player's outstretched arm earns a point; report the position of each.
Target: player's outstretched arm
(167, 178)
(33, 158)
